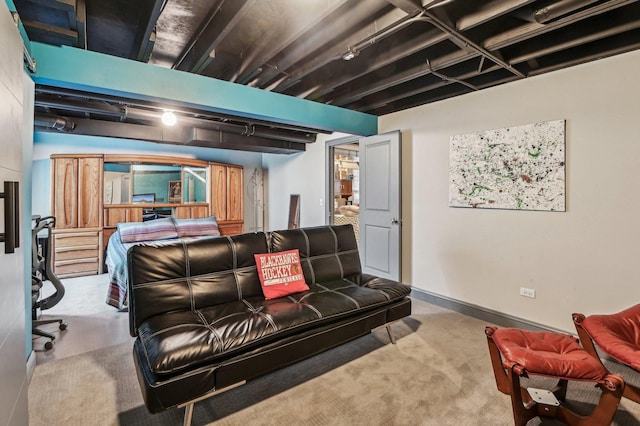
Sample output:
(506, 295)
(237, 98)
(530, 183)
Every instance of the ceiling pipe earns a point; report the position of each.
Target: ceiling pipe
(426, 16)
(58, 94)
(125, 112)
(558, 9)
(433, 20)
(81, 106)
(51, 121)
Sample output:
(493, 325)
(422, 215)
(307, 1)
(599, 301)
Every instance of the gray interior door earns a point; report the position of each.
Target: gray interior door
(380, 203)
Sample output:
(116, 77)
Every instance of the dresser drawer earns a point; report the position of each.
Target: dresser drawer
(77, 253)
(82, 239)
(76, 267)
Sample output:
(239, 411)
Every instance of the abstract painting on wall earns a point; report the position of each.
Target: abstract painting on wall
(520, 168)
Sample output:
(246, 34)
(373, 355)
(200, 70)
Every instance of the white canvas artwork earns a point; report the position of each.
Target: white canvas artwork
(520, 168)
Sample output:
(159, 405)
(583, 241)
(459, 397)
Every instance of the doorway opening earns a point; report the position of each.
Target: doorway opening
(364, 189)
(343, 162)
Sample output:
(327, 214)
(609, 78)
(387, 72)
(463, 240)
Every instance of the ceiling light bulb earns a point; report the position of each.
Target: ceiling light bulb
(169, 118)
(350, 54)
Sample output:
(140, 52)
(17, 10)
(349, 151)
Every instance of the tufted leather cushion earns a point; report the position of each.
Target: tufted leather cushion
(177, 340)
(189, 276)
(326, 252)
(617, 334)
(547, 354)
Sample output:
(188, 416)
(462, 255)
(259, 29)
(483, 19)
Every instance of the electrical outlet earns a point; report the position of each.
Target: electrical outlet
(527, 292)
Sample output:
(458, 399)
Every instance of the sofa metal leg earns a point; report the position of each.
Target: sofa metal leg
(188, 414)
(391, 336)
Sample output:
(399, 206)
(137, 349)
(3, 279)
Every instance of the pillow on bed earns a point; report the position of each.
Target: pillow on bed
(197, 227)
(159, 229)
(280, 273)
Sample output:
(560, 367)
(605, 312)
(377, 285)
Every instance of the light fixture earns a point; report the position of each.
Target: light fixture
(169, 118)
(350, 54)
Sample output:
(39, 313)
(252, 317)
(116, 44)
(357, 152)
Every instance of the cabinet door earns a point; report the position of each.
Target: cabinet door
(115, 215)
(65, 192)
(89, 192)
(182, 212)
(191, 212)
(219, 192)
(199, 212)
(235, 193)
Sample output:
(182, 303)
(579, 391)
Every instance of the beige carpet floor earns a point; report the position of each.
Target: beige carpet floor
(438, 374)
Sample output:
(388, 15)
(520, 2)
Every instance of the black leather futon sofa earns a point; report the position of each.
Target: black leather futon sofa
(204, 326)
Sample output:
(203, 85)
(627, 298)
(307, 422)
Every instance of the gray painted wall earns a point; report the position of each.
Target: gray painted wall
(13, 369)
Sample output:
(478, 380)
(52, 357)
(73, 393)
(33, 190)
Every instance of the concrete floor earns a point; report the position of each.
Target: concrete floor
(92, 324)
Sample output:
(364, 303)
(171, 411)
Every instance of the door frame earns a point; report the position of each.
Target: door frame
(330, 145)
(330, 172)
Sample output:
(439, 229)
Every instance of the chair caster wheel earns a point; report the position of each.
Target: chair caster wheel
(63, 326)
(48, 345)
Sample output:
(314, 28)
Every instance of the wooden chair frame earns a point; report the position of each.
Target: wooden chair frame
(630, 392)
(525, 408)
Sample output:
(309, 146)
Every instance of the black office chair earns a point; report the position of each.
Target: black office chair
(42, 270)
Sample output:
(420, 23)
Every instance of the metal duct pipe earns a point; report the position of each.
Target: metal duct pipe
(558, 9)
(124, 112)
(51, 121)
(82, 107)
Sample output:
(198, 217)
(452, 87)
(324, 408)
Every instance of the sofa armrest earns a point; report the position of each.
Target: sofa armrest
(393, 289)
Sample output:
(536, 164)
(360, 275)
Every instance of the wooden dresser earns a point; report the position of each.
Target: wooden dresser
(84, 222)
(77, 205)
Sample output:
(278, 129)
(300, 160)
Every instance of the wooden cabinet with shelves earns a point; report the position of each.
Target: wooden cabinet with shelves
(227, 197)
(76, 202)
(85, 221)
(76, 191)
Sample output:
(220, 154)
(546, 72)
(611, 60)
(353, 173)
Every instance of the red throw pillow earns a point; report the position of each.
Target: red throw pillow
(280, 273)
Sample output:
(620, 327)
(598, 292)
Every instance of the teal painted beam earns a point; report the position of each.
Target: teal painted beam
(73, 68)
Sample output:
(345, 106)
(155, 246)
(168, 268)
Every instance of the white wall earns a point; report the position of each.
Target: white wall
(582, 260)
(13, 369)
(303, 174)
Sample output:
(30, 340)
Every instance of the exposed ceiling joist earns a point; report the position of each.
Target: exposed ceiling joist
(533, 29)
(57, 34)
(145, 37)
(409, 6)
(267, 47)
(316, 38)
(81, 23)
(222, 18)
(361, 68)
(489, 11)
(359, 40)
